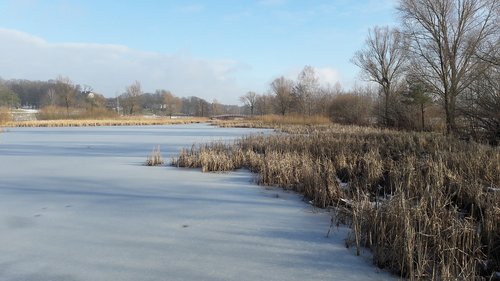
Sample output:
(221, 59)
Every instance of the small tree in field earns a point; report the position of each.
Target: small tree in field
(418, 94)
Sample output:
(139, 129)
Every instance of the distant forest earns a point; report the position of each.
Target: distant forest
(61, 92)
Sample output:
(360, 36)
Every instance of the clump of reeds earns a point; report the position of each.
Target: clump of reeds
(155, 158)
(217, 156)
(425, 204)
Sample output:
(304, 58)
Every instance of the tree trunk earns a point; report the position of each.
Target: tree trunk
(386, 107)
(67, 107)
(449, 107)
(422, 112)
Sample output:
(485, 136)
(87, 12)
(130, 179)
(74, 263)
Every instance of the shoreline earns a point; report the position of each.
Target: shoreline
(103, 122)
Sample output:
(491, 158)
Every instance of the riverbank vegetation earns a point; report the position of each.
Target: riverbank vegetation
(273, 121)
(426, 204)
(123, 121)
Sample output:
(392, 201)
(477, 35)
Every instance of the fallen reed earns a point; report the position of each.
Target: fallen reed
(427, 205)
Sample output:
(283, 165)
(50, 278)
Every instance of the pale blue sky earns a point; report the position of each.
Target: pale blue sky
(212, 49)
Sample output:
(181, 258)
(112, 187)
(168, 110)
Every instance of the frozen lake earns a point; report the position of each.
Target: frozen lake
(78, 204)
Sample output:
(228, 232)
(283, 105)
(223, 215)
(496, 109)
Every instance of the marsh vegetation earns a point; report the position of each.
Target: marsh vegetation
(427, 205)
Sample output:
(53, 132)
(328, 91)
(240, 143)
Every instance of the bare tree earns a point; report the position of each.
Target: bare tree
(132, 97)
(282, 89)
(481, 106)
(445, 38)
(325, 96)
(249, 100)
(382, 61)
(50, 97)
(172, 103)
(306, 90)
(66, 92)
(216, 107)
(264, 104)
(351, 108)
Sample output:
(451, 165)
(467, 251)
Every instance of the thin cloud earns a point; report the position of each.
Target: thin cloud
(110, 68)
(191, 9)
(271, 2)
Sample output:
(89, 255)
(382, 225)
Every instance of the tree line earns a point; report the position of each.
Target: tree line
(439, 69)
(62, 93)
(445, 53)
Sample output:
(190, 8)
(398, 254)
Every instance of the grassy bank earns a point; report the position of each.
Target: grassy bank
(428, 206)
(133, 121)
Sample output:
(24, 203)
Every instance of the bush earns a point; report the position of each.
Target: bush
(351, 109)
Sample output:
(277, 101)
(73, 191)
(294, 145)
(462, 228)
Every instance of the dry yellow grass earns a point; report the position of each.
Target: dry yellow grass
(134, 121)
(155, 159)
(5, 116)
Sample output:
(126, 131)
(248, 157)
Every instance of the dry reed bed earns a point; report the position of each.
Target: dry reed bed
(105, 122)
(428, 206)
(273, 121)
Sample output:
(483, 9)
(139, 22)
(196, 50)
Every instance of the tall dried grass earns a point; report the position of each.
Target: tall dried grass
(5, 115)
(274, 121)
(428, 206)
(61, 113)
(155, 158)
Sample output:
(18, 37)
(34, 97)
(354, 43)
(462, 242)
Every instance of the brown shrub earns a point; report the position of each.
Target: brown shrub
(351, 109)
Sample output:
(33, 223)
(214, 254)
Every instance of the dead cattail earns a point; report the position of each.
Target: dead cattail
(155, 158)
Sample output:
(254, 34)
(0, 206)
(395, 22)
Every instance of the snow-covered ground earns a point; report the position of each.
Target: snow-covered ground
(77, 204)
(24, 114)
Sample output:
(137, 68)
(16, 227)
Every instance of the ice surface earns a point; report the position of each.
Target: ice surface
(78, 204)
